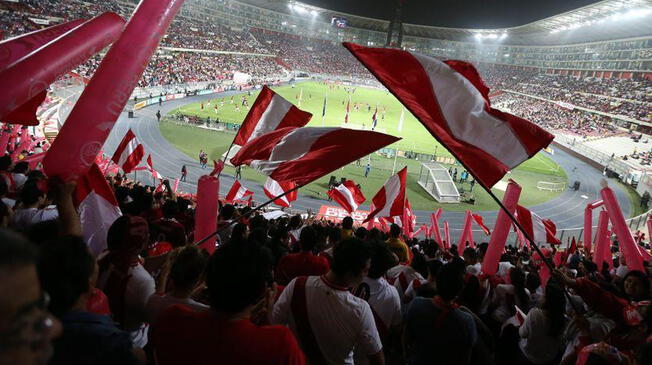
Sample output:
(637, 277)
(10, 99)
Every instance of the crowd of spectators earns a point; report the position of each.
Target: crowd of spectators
(554, 117)
(627, 97)
(291, 290)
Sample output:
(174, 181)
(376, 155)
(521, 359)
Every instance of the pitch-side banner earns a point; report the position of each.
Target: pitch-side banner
(336, 214)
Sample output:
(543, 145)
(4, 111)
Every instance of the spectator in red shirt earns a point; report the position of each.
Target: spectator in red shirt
(304, 263)
(238, 278)
(168, 228)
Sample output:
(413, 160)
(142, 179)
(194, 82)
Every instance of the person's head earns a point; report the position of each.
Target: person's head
(187, 268)
(26, 327)
(450, 281)
(67, 272)
(31, 194)
(295, 222)
(252, 268)
(5, 163)
(239, 232)
(334, 235)
(637, 285)
(555, 305)
(394, 230)
(170, 209)
(347, 223)
(433, 269)
(382, 259)
(21, 167)
(470, 256)
(308, 238)
(351, 260)
(517, 278)
(127, 237)
(227, 212)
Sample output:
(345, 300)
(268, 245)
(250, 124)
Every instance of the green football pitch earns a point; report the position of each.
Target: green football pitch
(310, 96)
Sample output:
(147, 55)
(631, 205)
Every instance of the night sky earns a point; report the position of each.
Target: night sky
(457, 13)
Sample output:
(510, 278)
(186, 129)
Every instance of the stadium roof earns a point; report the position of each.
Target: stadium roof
(604, 20)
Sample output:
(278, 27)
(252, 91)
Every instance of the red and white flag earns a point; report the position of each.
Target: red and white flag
(305, 154)
(348, 105)
(97, 208)
(389, 201)
(272, 189)
(238, 192)
(129, 152)
(347, 195)
(451, 101)
(269, 113)
(541, 230)
(154, 173)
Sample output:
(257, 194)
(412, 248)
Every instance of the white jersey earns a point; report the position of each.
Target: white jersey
(339, 320)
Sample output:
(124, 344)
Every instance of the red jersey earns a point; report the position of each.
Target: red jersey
(300, 264)
(183, 336)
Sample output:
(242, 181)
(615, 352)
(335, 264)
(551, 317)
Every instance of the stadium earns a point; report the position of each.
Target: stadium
(580, 72)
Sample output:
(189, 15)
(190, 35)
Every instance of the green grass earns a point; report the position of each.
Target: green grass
(190, 140)
(635, 200)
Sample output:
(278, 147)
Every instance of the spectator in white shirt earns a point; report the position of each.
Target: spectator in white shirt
(184, 277)
(19, 174)
(123, 278)
(327, 319)
(508, 295)
(381, 296)
(541, 332)
(34, 207)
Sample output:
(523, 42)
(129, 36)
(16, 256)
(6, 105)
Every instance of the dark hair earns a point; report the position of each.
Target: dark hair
(227, 212)
(517, 278)
(644, 280)
(5, 162)
(347, 223)
(532, 281)
(361, 233)
(21, 167)
(249, 264)
(555, 306)
(15, 250)
(334, 235)
(350, 257)
(65, 266)
(470, 253)
(30, 193)
(3, 187)
(188, 267)
(449, 281)
(382, 260)
(419, 263)
(394, 230)
(433, 267)
(308, 238)
(295, 222)
(238, 232)
(170, 209)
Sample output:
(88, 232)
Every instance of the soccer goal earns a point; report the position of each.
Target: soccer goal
(551, 186)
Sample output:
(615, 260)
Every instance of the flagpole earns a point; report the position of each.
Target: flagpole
(546, 261)
(250, 213)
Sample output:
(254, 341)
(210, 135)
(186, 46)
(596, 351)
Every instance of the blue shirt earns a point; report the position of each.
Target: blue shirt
(90, 338)
(446, 340)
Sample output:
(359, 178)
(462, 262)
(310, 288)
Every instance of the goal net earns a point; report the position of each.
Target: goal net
(551, 186)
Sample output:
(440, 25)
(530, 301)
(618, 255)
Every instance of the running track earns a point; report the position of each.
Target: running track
(567, 210)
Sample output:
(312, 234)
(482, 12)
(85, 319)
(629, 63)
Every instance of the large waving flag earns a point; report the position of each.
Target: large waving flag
(238, 192)
(347, 195)
(129, 152)
(268, 113)
(541, 230)
(273, 188)
(451, 101)
(302, 155)
(389, 201)
(97, 208)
